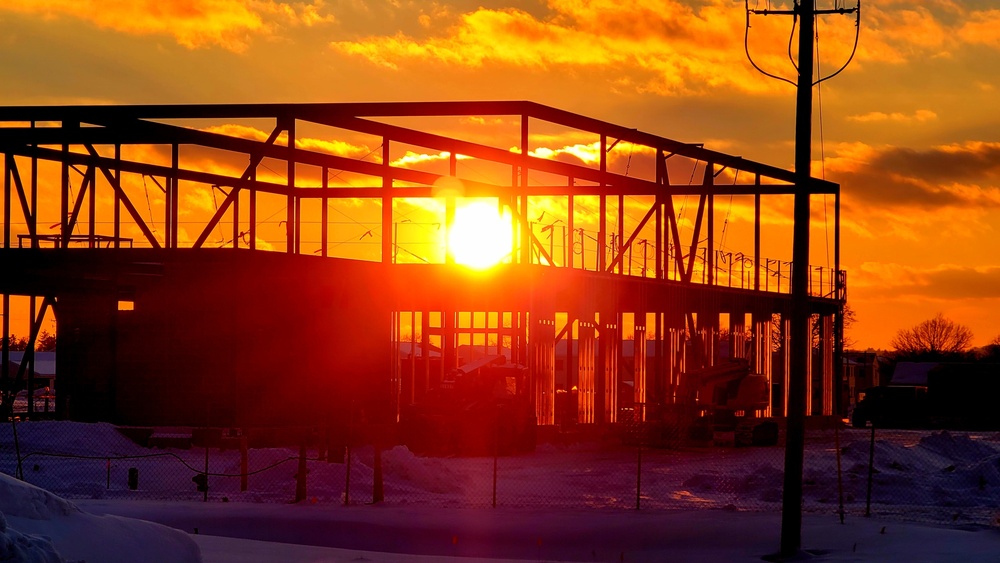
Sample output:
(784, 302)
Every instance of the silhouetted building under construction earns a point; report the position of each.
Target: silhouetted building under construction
(235, 265)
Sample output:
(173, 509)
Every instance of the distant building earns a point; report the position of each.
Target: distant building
(44, 368)
(861, 371)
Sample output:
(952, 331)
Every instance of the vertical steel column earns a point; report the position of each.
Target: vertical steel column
(786, 353)
(449, 356)
(29, 358)
(756, 233)
(64, 233)
(324, 227)
(525, 238)
(826, 349)
(659, 386)
(612, 348)
(617, 247)
(252, 227)
(292, 201)
(542, 365)
(657, 242)
(810, 375)
(5, 337)
(425, 356)
(236, 218)
(570, 223)
(586, 374)
(91, 209)
(570, 369)
(171, 221)
(8, 163)
(387, 204)
(117, 213)
(640, 381)
(412, 372)
(449, 217)
(678, 359)
(763, 328)
(710, 248)
(737, 334)
(602, 230)
(840, 406)
(298, 224)
(33, 226)
(662, 182)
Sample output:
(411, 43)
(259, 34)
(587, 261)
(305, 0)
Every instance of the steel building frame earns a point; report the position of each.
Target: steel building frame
(682, 295)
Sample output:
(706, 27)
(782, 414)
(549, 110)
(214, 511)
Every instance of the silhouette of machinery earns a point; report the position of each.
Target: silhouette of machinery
(479, 408)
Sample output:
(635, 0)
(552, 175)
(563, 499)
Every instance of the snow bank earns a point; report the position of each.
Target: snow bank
(23, 548)
(38, 526)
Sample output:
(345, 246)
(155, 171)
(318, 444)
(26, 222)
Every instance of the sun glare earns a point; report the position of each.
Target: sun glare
(480, 237)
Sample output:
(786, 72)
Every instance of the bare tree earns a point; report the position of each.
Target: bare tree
(933, 338)
(848, 318)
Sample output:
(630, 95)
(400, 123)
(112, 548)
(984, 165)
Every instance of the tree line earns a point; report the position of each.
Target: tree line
(44, 343)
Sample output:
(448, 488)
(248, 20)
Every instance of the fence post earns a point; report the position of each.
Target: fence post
(19, 472)
(300, 476)
(496, 453)
(378, 490)
(347, 477)
(637, 414)
(244, 464)
(840, 475)
(871, 471)
(347, 469)
(205, 493)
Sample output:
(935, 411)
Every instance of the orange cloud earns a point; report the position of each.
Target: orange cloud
(665, 47)
(950, 190)
(225, 23)
(921, 115)
(947, 281)
(981, 28)
(958, 175)
(673, 47)
(335, 147)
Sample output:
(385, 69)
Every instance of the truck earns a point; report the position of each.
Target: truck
(953, 395)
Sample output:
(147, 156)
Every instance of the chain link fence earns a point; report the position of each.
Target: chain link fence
(933, 476)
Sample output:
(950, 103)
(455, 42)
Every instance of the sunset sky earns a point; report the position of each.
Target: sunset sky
(909, 129)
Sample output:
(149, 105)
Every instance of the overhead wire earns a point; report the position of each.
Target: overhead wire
(791, 37)
(854, 49)
(746, 49)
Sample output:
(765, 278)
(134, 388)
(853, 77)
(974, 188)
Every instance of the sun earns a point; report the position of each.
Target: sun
(480, 237)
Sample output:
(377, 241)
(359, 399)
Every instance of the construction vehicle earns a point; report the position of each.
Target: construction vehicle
(719, 404)
(480, 408)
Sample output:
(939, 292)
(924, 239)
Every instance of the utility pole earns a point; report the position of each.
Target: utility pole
(791, 499)
(791, 503)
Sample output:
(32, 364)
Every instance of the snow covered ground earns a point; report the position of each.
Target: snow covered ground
(38, 526)
(569, 502)
(304, 533)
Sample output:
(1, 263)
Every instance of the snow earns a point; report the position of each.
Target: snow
(571, 502)
(38, 526)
